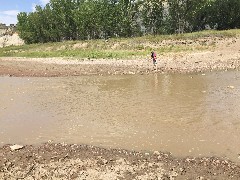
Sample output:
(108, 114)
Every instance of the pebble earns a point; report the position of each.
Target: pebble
(16, 147)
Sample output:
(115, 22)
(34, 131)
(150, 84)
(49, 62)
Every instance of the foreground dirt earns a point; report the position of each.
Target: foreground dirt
(62, 161)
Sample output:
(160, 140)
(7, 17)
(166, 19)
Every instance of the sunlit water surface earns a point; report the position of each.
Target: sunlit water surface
(191, 115)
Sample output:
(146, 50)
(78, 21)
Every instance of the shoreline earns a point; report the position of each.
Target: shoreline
(175, 63)
(73, 161)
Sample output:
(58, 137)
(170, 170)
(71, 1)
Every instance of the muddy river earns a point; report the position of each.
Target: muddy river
(192, 115)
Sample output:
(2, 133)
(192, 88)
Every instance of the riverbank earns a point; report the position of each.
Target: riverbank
(190, 53)
(63, 161)
(224, 57)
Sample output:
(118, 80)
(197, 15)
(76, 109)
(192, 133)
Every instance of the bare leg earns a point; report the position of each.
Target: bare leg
(155, 65)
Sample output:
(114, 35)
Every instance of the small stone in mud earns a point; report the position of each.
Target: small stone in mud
(16, 147)
(231, 87)
(156, 153)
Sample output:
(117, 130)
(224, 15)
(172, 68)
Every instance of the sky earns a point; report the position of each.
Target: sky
(10, 8)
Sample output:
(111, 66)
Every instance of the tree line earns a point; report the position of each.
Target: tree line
(97, 19)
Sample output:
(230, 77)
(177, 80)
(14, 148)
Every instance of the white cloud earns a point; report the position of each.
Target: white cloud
(33, 7)
(8, 17)
(10, 12)
(44, 2)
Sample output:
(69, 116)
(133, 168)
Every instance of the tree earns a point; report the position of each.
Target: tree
(224, 14)
(93, 19)
(186, 15)
(152, 12)
(63, 14)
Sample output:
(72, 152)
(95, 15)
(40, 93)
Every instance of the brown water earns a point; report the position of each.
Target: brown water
(183, 114)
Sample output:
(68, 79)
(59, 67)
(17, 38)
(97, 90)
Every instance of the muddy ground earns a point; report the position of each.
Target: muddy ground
(61, 161)
(176, 63)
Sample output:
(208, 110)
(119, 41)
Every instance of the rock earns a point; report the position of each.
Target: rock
(16, 147)
(173, 174)
(231, 87)
(156, 153)
(130, 72)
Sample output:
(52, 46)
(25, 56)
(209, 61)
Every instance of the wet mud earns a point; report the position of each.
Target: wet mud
(62, 161)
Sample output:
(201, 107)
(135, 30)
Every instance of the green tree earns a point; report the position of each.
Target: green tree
(152, 12)
(22, 27)
(63, 14)
(224, 14)
(186, 15)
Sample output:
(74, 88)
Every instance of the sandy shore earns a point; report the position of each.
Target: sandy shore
(61, 161)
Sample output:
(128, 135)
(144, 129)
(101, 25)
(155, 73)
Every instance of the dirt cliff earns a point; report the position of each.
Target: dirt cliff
(8, 40)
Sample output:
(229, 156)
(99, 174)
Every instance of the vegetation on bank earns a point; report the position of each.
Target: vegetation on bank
(122, 48)
(103, 19)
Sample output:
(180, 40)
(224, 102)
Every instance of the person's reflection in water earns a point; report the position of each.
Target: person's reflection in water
(155, 81)
(166, 83)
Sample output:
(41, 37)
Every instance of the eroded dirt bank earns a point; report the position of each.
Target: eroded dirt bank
(62, 161)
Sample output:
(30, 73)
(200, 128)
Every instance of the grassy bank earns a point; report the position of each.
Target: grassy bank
(122, 48)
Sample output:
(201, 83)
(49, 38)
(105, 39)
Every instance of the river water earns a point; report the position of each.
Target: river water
(187, 115)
